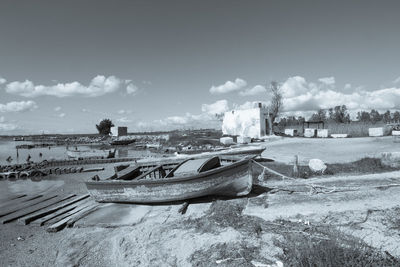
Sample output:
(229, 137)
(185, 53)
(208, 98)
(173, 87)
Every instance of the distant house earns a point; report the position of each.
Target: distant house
(253, 122)
(119, 131)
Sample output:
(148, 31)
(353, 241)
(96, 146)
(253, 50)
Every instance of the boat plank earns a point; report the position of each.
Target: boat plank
(26, 211)
(41, 213)
(19, 200)
(58, 213)
(23, 205)
(72, 219)
(78, 208)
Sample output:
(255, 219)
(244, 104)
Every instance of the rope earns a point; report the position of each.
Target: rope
(314, 189)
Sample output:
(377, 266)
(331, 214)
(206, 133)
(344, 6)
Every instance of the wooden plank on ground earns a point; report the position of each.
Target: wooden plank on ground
(82, 214)
(32, 209)
(41, 213)
(16, 201)
(72, 219)
(43, 220)
(11, 198)
(14, 208)
(80, 207)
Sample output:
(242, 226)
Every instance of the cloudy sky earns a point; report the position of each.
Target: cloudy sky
(151, 65)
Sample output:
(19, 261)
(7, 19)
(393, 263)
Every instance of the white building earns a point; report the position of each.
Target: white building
(251, 122)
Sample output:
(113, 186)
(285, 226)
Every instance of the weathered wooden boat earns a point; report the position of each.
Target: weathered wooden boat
(80, 154)
(190, 178)
(247, 150)
(122, 142)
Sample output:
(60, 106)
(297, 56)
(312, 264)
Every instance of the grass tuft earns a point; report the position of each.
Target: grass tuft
(333, 249)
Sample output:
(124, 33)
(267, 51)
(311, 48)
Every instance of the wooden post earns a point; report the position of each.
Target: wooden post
(295, 166)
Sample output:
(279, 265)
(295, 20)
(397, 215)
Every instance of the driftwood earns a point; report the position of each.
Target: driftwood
(24, 205)
(20, 200)
(69, 221)
(66, 214)
(27, 219)
(33, 209)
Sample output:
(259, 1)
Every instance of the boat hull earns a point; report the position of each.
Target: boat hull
(87, 154)
(233, 180)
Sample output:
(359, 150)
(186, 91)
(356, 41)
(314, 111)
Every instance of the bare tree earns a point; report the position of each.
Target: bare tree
(276, 103)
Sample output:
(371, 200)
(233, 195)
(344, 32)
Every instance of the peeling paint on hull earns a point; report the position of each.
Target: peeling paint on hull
(232, 180)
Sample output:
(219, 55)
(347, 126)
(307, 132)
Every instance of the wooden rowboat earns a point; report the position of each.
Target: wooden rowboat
(188, 179)
(81, 154)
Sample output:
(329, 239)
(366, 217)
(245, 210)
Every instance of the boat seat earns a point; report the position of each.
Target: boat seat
(197, 166)
(212, 163)
(128, 173)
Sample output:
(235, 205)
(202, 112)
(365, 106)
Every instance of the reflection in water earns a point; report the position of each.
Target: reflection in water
(10, 155)
(12, 188)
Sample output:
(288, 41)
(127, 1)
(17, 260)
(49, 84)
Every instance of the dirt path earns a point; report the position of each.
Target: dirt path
(329, 150)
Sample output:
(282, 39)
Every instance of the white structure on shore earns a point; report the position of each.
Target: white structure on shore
(119, 131)
(253, 122)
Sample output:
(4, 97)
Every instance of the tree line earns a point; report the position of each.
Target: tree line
(340, 114)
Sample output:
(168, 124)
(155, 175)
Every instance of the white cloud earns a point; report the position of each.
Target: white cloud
(397, 80)
(61, 115)
(347, 86)
(123, 111)
(294, 86)
(256, 90)
(98, 86)
(20, 106)
(299, 95)
(8, 127)
(124, 120)
(57, 108)
(2, 80)
(131, 89)
(330, 81)
(228, 87)
(249, 104)
(218, 107)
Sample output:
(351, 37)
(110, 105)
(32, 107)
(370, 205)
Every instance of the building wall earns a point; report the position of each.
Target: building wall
(247, 123)
(122, 131)
(114, 131)
(242, 122)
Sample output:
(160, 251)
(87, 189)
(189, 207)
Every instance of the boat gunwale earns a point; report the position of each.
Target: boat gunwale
(172, 179)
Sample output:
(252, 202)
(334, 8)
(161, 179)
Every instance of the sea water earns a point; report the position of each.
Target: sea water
(37, 154)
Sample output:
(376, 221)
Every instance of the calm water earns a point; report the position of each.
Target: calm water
(7, 148)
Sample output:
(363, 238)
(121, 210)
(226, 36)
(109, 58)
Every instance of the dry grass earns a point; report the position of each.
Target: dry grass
(362, 166)
(302, 245)
(331, 248)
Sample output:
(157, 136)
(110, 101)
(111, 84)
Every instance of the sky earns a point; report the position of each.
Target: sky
(161, 65)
